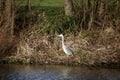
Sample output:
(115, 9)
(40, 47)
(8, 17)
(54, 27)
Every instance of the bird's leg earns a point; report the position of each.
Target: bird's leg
(67, 59)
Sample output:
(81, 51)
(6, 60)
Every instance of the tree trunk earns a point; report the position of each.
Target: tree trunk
(5, 11)
(68, 6)
(7, 15)
(29, 5)
(12, 17)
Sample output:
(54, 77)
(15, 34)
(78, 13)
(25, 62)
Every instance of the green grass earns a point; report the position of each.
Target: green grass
(55, 3)
(56, 21)
(50, 7)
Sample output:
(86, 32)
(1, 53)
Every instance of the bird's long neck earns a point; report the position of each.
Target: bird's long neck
(62, 40)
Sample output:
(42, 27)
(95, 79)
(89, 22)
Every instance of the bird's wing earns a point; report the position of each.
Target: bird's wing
(68, 50)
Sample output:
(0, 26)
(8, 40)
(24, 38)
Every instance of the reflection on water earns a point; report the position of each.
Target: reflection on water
(49, 72)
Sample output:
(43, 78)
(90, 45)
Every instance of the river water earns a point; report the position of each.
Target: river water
(50, 72)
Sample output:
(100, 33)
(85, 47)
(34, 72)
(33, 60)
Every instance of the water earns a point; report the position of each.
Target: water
(49, 72)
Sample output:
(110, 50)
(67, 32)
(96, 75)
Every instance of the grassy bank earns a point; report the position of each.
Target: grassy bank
(35, 41)
(90, 48)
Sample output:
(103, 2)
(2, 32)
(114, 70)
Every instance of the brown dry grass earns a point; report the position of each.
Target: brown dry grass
(93, 47)
(90, 48)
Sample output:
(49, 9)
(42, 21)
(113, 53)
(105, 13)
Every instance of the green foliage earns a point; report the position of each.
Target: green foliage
(50, 8)
(56, 21)
(85, 15)
(61, 24)
(49, 11)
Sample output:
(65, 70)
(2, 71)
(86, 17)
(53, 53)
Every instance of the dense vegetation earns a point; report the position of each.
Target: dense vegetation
(32, 27)
(87, 15)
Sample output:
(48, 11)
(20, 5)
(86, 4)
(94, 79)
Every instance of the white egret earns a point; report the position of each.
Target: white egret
(66, 49)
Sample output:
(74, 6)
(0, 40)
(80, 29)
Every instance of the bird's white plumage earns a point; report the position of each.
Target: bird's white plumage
(66, 49)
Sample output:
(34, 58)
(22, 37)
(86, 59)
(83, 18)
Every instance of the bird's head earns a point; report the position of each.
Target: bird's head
(61, 35)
